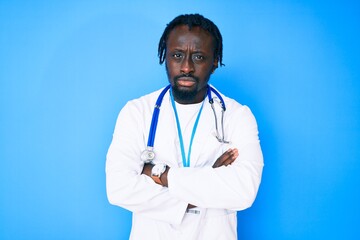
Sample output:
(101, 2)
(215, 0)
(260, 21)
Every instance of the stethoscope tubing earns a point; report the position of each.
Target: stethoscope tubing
(155, 116)
(211, 100)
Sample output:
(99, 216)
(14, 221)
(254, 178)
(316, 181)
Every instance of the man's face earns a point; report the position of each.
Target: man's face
(189, 62)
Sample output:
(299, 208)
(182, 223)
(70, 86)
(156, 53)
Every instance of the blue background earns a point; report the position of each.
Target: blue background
(68, 67)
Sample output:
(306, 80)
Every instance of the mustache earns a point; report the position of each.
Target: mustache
(196, 79)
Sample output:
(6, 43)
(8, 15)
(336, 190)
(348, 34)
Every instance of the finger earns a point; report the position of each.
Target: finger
(226, 163)
(231, 158)
(234, 153)
(228, 155)
(226, 158)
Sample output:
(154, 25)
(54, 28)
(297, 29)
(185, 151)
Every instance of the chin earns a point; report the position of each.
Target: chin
(183, 93)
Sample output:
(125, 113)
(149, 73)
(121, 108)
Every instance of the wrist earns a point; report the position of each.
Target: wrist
(147, 169)
(164, 176)
(157, 173)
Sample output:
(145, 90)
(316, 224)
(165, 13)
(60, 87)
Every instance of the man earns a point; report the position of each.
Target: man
(206, 166)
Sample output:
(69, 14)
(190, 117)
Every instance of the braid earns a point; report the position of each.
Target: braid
(192, 20)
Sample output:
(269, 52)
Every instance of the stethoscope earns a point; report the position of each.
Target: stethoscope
(148, 154)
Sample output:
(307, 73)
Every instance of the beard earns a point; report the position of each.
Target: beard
(184, 94)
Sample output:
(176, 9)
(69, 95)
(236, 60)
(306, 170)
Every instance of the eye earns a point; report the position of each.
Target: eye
(177, 55)
(198, 57)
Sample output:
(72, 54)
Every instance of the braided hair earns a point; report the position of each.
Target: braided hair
(192, 20)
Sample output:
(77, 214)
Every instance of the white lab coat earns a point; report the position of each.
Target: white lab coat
(160, 212)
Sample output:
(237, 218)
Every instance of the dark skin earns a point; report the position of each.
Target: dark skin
(190, 62)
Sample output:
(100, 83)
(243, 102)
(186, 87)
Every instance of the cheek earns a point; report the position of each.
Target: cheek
(172, 68)
(205, 71)
(170, 71)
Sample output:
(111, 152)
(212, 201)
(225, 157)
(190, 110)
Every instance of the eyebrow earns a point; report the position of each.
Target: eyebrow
(181, 50)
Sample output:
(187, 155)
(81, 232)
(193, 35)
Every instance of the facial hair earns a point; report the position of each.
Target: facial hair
(183, 94)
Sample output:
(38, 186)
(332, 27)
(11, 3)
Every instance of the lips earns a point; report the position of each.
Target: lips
(186, 81)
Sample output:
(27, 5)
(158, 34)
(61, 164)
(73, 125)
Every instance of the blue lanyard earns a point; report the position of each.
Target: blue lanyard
(186, 162)
(148, 154)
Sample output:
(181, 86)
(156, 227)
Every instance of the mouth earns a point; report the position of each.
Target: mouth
(186, 81)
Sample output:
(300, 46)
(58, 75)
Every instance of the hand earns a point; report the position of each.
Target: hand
(226, 158)
(190, 206)
(147, 169)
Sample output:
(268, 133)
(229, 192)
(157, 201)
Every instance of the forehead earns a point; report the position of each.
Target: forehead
(196, 37)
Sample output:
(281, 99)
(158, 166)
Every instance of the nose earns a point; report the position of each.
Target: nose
(187, 66)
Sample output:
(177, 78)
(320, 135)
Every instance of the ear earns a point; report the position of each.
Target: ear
(215, 66)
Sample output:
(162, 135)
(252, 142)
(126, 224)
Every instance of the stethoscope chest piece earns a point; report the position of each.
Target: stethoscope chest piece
(147, 155)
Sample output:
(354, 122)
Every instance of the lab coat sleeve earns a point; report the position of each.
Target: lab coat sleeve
(126, 186)
(233, 187)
